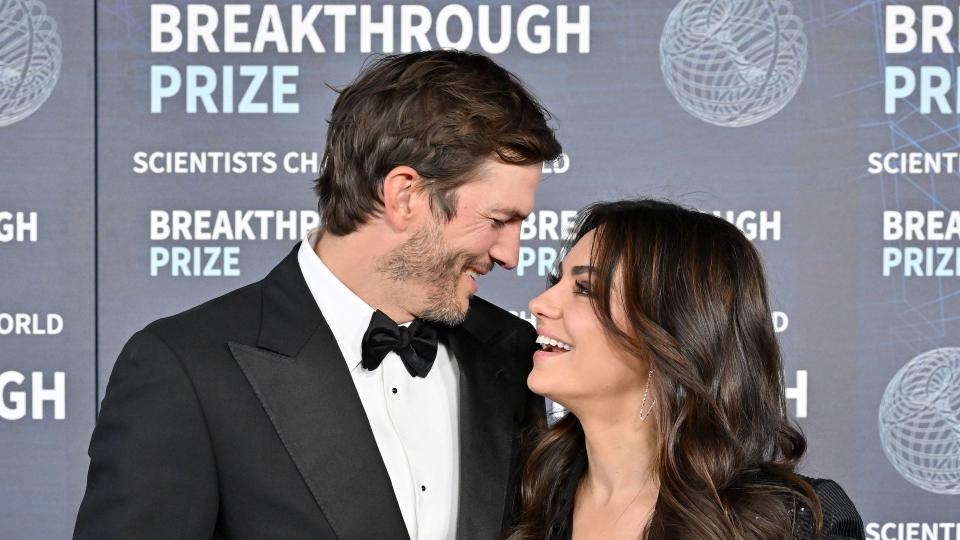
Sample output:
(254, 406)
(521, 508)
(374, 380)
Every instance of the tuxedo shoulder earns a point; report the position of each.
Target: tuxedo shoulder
(494, 320)
(232, 316)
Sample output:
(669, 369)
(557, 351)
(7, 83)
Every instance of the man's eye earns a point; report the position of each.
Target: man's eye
(498, 224)
(581, 288)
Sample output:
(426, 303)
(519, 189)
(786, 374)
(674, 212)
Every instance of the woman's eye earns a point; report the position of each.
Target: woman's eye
(552, 279)
(582, 288)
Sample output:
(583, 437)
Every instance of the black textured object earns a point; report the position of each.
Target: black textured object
(841, 521)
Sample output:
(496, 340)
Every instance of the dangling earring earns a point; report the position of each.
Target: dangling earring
(646, 393)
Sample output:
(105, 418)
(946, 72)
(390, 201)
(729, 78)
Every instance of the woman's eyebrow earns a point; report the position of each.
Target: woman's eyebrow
(578, 270)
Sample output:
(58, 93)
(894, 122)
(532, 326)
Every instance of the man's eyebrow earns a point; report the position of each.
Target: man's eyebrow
(578, 270)
(514, 213)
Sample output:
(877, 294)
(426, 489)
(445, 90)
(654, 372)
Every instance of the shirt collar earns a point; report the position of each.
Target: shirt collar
(346, 313)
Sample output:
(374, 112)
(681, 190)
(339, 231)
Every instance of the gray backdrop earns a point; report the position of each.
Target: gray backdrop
(845, 327)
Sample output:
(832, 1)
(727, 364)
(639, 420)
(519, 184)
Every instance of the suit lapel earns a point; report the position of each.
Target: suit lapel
(303, 383)
(486, 436)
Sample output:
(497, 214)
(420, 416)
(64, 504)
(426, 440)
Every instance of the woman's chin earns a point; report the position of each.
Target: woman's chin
(539, 383)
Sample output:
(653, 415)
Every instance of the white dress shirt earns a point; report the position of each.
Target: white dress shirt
(414, 419)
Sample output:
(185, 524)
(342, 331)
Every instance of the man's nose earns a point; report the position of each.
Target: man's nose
(506, 251)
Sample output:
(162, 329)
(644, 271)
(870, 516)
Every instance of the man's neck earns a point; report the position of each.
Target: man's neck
(353, 260)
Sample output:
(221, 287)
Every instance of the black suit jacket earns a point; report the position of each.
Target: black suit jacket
(239, 419)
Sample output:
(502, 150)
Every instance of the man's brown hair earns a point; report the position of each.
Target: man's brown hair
(443, 113)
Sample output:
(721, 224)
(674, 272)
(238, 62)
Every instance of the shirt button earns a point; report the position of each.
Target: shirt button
(423, 488)
(394, 390)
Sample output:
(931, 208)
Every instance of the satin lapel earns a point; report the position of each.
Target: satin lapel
(486, 437)
(302, 381)
(314, 407)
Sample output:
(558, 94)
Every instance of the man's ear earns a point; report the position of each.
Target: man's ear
(402, 197)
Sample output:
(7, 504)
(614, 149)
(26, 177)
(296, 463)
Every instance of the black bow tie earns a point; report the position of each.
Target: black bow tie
(416, 345)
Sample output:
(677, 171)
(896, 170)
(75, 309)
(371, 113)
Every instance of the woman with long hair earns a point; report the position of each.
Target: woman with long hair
(656, 336)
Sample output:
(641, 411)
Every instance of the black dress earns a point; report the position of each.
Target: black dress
(841, 521)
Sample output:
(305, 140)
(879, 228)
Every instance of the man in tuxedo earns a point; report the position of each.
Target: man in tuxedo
(360, 390)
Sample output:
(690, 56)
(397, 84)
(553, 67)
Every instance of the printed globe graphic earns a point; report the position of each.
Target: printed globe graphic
(30, 57)
(920, 421)
(733, 62)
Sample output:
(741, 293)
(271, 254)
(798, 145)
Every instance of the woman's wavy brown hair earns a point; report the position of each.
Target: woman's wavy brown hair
(695, 303)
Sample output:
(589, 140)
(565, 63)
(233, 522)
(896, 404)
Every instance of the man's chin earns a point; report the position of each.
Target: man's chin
(449, 315)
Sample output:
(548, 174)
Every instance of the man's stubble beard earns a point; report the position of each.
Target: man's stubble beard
(424, 259)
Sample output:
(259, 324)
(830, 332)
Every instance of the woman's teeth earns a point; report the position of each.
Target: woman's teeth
(550, 344)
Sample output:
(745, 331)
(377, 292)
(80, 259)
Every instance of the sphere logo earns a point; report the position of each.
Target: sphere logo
(733, 62)
(30, 57)
(920, 421)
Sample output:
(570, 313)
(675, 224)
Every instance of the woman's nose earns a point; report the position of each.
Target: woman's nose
(543, 306)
